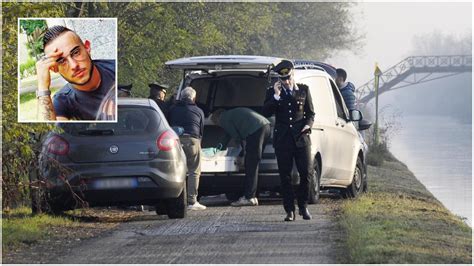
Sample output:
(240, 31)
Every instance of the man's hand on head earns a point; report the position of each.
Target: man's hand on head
(44, 65)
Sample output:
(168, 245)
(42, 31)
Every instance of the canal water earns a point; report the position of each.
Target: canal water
(438, 150)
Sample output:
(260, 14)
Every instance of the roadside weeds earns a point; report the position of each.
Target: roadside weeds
(399, 221)
(42, 235)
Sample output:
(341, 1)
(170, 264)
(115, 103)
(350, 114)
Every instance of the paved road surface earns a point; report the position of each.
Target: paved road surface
(220, 234)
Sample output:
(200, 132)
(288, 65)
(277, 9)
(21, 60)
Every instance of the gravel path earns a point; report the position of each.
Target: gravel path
(220, 234)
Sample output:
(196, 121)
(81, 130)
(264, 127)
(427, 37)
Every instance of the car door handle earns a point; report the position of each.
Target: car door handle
(318, 128)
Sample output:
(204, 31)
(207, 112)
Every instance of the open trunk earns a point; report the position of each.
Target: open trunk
(227, 82)
(227, 160)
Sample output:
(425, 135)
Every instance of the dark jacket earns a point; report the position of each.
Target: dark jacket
(164, 106)
(187, 115)
(347, 93)
(292, 113)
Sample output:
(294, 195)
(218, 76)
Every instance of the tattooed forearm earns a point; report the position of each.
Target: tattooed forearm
(45, 109)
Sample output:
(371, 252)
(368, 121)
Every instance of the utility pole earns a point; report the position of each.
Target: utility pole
(377, 74)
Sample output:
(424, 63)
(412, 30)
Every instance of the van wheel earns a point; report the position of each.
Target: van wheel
(357, 185)
(176, 208)
(315, 183)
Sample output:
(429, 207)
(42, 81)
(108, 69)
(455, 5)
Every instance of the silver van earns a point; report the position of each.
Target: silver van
(230, 81)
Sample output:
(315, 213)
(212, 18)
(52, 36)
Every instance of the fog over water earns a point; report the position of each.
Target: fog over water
(434, 119)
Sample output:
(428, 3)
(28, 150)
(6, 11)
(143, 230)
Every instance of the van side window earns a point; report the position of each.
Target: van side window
(338, 100)
(322, 95)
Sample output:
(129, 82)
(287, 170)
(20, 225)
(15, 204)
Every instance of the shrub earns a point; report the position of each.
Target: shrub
(28, 68)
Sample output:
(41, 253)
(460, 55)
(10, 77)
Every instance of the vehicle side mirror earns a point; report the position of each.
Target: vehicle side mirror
(355, 115)
(364, 124)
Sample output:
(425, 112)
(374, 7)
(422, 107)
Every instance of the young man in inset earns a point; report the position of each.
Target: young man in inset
(89, 81)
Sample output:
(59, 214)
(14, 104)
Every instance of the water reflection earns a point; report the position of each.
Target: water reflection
(438, 150)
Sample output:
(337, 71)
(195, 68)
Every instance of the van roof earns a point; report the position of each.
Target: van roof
(218, 62)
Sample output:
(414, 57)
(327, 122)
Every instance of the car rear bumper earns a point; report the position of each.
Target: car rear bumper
(146, 184)
(122, 196)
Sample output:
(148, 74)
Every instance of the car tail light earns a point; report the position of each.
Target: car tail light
(167, 140)
(57, 145)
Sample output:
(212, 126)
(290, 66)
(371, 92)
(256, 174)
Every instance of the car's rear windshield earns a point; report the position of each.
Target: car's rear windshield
(230, 91)
(130, 121)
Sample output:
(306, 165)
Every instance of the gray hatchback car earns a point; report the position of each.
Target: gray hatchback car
(138, 160)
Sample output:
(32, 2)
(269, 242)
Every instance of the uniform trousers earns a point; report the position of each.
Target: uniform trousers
(302, 157)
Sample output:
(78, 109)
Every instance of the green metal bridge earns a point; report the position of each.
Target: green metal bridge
(415, 70)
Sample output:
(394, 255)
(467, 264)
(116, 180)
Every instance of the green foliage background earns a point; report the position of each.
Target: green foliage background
(34, 29)
(149, 34)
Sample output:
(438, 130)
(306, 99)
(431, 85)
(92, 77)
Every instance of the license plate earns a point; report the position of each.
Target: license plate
(115, 183)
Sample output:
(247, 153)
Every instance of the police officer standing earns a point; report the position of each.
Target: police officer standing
(292, 106)
(158, 94)
(125, 90)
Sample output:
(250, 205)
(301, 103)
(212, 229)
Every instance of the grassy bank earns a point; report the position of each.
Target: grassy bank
(399, 221)
(20, 228)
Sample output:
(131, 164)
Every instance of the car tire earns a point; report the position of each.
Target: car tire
(358, 180)
(232, 196)
(176, 208)
(315, 182)
(160, 208)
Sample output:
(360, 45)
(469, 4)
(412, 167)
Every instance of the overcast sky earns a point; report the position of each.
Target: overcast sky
(389, 29)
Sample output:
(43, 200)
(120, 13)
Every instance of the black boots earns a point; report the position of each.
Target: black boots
(305, 213)
(290, 216)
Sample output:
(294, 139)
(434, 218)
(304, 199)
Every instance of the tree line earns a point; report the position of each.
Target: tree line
(149, 34)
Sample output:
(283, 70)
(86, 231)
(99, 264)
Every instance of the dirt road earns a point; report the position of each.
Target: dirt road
(220, 234)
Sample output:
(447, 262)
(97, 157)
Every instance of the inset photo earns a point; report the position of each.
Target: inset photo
(67, 69)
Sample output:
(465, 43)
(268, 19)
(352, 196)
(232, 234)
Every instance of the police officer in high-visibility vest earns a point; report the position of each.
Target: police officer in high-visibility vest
(292, 106)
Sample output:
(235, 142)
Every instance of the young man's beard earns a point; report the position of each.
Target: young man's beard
(90, 75)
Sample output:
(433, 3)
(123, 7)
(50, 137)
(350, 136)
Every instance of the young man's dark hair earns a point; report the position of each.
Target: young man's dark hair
(52, 33)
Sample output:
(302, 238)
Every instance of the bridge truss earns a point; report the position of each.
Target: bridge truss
(415, 70)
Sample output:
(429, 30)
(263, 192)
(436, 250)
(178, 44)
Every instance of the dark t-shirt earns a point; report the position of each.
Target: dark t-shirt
(82, 105)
